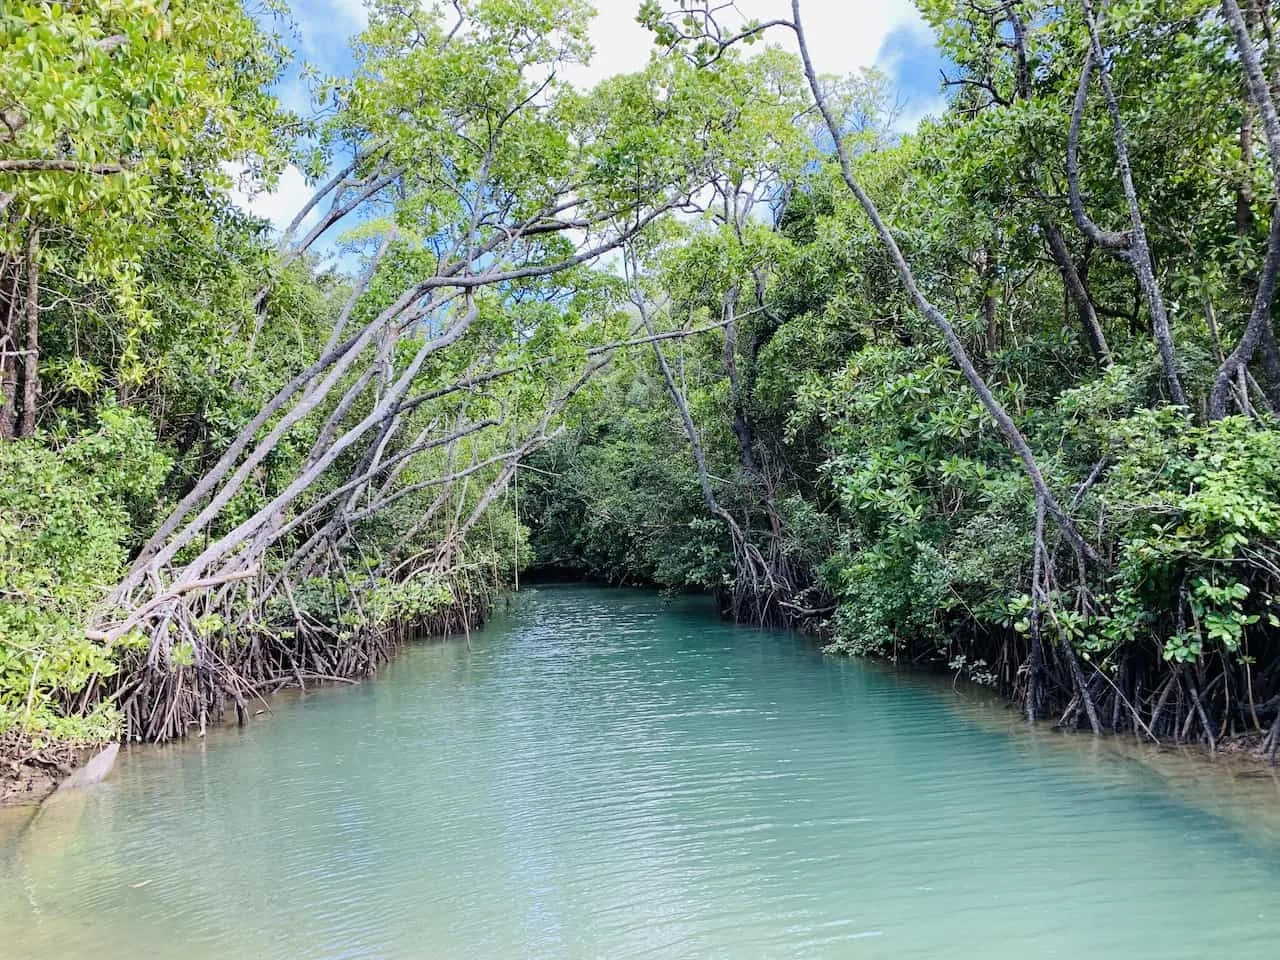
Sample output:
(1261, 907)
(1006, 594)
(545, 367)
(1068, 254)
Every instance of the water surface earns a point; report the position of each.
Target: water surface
(600, 774)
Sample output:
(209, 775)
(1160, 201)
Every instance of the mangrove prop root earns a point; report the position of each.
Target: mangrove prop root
(162, 697)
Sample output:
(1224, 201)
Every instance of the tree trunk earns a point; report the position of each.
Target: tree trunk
(31, 364)
(1073, 282)
(990, 305)
(1072, 279)
(1259, 331)
(1035, 657)
(1259, 91)
(1271, 366)
(1133, 247)
(742, 427)
(1259, 322)
(1244, 191)
(230, 541)
(9, 345)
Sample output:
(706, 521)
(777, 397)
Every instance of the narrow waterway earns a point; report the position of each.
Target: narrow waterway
(603, 774)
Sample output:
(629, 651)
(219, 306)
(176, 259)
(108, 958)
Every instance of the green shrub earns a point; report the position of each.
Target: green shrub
(66, 523)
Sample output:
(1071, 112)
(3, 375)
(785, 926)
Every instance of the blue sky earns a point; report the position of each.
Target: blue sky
(844, 36)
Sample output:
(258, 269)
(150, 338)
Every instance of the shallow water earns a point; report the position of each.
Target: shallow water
(600, 774)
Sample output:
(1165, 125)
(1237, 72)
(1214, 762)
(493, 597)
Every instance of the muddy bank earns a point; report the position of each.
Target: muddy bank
(23, 784)
(29, 775)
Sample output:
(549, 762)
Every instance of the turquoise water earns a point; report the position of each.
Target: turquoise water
(599, 774)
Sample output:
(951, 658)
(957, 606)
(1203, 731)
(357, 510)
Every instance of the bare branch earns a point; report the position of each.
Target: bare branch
(61, 166)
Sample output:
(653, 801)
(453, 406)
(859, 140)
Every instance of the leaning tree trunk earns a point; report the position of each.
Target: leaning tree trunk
(755, 581)
(1013, 436)
(1078, 293)
(1132, 247)
(1236, 364)
(1258, 331)
(1072, 281)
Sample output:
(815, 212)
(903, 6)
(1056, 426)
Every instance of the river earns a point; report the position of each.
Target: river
(604, 774)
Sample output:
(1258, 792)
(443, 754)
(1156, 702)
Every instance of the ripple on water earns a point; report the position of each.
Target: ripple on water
(602, 774)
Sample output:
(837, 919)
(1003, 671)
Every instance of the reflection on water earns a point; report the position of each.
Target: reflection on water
(602, 775)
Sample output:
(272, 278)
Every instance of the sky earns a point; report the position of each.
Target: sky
(844, 36)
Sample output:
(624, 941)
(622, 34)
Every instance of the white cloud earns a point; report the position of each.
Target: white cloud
(354, 12)
(280, 205)
(916, 109)
(843, 35)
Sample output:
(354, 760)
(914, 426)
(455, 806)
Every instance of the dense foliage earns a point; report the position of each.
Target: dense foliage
(999, 394)
(840, 430)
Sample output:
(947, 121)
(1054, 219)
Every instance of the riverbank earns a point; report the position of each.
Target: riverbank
(1233, 783)
(29, 775)
(994, 666)
(299, 657)
(1257, 747)
(1098, 698)
(1064, 709)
